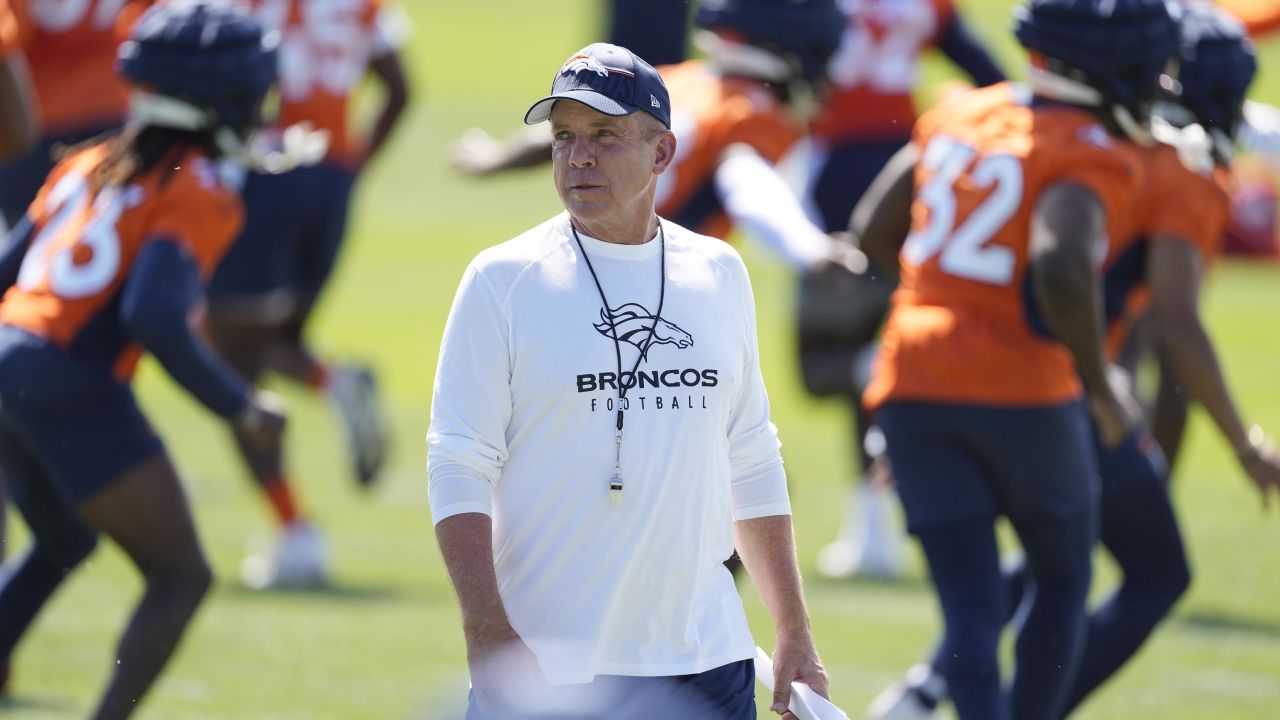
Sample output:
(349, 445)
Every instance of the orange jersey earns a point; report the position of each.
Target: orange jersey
(85, 241)
(71, 48)
(1180, 202)
(963, 328)
(874, 72)
(710, 114)
(8, 29)
(1260, 17)
(325, 50)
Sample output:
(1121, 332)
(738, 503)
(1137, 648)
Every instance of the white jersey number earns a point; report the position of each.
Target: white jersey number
(328, 50)
(964, 250)
(885, 56)
(59, 16)
(89, 264)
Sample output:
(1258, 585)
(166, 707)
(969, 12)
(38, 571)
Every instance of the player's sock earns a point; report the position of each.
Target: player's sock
(280, 496)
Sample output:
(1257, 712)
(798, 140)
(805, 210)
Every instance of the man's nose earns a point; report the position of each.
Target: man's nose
(582, 154)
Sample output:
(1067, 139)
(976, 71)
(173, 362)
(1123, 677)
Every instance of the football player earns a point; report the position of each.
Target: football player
(262, 296)
(866, 116)
(70, 48)
(996, 212)
(736, 113)
(107, 263)
(1186, 209)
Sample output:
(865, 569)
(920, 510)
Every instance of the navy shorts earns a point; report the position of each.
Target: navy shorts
(81, 426)
(723, 693)
(22, 177)
(961, 462)
(294, 224)
(846, 175)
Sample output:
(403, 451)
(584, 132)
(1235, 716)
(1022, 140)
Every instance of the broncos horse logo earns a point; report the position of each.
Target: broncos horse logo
(578, 63)
(638, 326)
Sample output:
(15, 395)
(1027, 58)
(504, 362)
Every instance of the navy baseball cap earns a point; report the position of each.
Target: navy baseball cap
(609, 79)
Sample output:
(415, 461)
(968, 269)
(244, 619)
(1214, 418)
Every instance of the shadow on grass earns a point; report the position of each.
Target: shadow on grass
(1220, 622)
(35, 704)
(331, 591)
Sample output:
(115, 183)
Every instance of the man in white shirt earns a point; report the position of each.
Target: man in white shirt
(600, 441)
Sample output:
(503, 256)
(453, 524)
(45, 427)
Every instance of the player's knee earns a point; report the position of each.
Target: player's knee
(191, 577)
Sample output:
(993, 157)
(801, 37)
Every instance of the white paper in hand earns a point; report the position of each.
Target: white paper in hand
(805, 703)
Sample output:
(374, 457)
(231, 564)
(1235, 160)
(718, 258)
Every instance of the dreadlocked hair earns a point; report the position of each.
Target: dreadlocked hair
(132, 153)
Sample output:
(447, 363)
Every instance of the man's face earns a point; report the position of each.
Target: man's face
(606, 167)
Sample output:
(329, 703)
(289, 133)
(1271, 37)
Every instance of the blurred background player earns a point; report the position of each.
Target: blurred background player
(656, 30)
(263, 294)
(1186, 211)
(108, 262)
(736, 113)
(70, 48)
(866, 116)
(997, 324)
(17, 135)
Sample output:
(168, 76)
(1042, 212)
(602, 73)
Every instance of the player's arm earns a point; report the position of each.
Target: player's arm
(762, 526)
(155, 308)
(882, 219)
(1174, 271)
(759, 201)
(1068, 223)
(389, 71)
(964, 49)
(15, 249)
(17, 106)
(479, 154)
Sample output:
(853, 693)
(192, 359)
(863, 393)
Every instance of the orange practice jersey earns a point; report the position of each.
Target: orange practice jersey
(8, 29)
(71, 48)
(1179, 202)
(874, 72)
(325, 51)
(963, 325)
(709, 114)
(86, 240)
(1260, 17)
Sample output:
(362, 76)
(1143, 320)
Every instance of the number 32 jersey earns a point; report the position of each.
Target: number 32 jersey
(964, 328)
(86, 239)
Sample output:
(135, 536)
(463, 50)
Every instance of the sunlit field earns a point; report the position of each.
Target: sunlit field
(385, 642)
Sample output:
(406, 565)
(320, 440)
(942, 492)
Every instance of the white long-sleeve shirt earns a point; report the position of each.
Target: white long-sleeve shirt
(522, 429)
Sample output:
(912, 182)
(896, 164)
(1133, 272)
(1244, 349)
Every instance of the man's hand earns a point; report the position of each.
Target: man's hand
(844, 261)
(1262, 464)
(795, 659)
(504, 672)
(1116, 413)
(476, 153)
(263, 420)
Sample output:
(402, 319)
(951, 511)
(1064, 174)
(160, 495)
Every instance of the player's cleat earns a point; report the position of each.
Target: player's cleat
(915, 697)
(868, 545)
(355, 394)
(299, 561)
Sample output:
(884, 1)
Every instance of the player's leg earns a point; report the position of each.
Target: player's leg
(145, 512)
(59, 543)
(1051, 491)
(250, 295)
(1140, 531)
(951, 509)
(837, 327)
(352, 387)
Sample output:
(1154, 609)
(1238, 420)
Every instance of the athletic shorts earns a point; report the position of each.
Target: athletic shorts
(294, 224)
(723, 693)
(81, 426)
(962, 462)
(22, 177)
(845, 175)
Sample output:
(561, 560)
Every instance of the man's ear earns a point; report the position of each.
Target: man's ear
(666, 151)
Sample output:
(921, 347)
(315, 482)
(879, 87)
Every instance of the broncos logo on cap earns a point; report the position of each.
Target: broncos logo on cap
(636, 325)
(578, 63)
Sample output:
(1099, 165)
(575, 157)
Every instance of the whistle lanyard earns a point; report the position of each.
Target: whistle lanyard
(615, 481)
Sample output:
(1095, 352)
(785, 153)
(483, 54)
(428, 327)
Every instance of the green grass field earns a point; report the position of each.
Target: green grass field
(385, 643)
